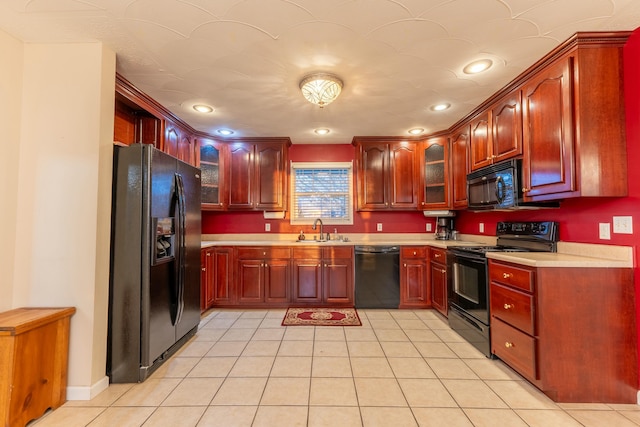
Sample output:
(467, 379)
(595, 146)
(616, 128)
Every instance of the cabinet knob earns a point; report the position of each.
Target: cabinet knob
(415, 253)
(264, 253)
(326, 265)
(508, 306)
(443, 271)
(525, 189)
(436, 255)
(508, 344)
(405, 264)
(507, 275)
(208, 253)
(204, 269)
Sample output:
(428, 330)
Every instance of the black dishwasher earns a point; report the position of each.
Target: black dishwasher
(377, 276)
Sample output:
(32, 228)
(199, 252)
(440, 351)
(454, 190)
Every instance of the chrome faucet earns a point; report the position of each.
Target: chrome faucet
(315, 223)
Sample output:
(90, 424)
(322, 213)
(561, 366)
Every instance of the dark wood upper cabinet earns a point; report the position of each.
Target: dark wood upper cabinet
(480, 142)
(257, 177)
(573, 122)
(460, 166)
(386, 173)
(436, 177)
(212, 160)
(506, 128)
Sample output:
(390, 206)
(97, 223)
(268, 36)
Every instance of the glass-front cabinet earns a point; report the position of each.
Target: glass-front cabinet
(211, 162)
(435, 193)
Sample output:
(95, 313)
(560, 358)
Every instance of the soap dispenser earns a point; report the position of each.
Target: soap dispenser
(301, 235)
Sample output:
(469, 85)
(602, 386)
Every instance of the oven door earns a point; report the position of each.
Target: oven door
(468, 284)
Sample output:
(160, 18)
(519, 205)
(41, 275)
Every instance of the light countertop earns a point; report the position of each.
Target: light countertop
(569, 254)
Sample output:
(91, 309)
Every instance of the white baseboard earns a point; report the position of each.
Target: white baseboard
(87, 393)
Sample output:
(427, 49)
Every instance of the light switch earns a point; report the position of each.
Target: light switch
(267, 227)
(429, 227)
(379, 226)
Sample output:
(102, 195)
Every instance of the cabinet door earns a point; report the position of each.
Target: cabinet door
(171, 140)
(211, 163)
(337, 276)
(277, 280)
(222, 277)
(548, 162)
(250, 281)
(271, 177)
(403, 191)
(480, 143)
(307, 279)
(506, 125)
(241, 173)
(373, 175)
(460, 166)
(413, 283)
(436, 174)
(209, 282)
(439, 287)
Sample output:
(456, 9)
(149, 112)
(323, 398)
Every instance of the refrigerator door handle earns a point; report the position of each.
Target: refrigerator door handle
(181, 245)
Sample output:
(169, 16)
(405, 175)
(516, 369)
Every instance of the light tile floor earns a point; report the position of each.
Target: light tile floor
(401, 368)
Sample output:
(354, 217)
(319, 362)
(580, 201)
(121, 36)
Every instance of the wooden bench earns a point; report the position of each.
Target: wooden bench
(34, 354)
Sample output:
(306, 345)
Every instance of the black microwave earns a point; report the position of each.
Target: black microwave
(499, 187)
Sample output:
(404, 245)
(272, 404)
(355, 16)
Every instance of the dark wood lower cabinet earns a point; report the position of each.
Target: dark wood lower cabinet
(323, 276)
(216, 277)
(414, 287)
(570, 331)
(438, 279)
(263, 275)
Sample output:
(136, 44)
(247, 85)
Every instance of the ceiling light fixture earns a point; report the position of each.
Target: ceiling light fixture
(201, 108)
(440, 107)
(225, 132)
(321, 89)
(476, 67)
(322, 131)
(416, 131)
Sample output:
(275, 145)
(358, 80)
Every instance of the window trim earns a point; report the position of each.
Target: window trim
(322, 165)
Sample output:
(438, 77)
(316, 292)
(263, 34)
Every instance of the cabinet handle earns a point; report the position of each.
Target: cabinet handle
(436, 255)
(415, 253)
(507, 275)
(508, 344)
(508, 306)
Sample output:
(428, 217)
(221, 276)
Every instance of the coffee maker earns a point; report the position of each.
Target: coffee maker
(444, 226)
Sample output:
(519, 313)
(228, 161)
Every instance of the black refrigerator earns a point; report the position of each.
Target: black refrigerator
(154, 289)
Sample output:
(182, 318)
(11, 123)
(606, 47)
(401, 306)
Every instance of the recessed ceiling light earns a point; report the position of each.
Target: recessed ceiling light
(476, 67)
(201, 108)
(416, 131)
(440, 107)
(322, 131)
(225, 132)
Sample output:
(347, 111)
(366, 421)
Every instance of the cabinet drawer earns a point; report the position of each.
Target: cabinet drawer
(514, 347)
(414, 252)
(337, 252)
(438, 255)
(266, 252)
(514, 307)
(307, 253)
(511, 275)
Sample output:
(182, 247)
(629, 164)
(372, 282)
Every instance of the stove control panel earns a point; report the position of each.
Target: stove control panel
(540, 230)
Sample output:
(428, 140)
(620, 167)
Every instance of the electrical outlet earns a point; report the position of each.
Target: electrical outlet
(267, 227)
(379, 226)
(623, 224)
(429, 227)
(482, 227)
(605, 230)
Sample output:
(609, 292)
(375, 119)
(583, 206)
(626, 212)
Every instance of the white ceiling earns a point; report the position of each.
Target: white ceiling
(246, 57)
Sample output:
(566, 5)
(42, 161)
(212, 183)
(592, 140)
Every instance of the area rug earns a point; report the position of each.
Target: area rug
(321, 317)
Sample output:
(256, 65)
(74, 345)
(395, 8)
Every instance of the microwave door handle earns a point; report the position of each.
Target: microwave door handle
(500, 190)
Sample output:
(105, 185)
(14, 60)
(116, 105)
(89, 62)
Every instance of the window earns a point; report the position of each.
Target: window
(321, 190)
